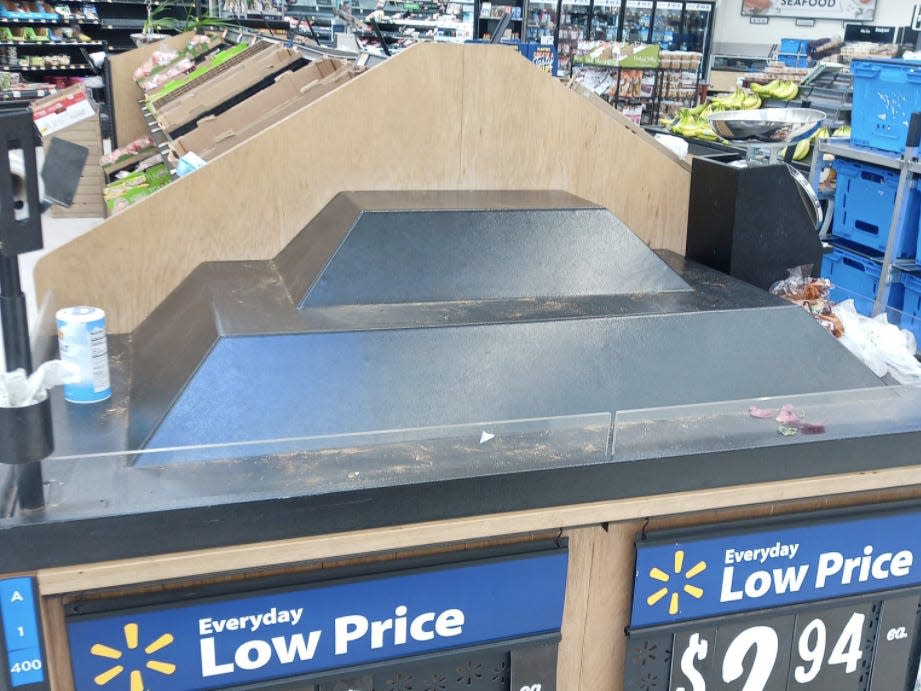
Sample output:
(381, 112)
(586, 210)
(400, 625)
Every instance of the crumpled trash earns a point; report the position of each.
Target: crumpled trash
(812, 295)
(18, 391)
(883, 347)
(790, 421)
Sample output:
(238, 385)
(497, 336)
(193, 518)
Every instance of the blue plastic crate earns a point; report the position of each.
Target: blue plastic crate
(911, 305)
(793, 60)
(864, 204)
(852, 276)
(797, 46)
(886, 93)
(857, 278)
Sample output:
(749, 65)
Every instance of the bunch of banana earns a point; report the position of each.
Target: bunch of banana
(737, 100)
(843, 131)
(694, 122)
(803, 146)
(695, 126)
(778, 90)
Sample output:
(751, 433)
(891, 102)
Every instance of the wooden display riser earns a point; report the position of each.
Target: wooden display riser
(436, 116)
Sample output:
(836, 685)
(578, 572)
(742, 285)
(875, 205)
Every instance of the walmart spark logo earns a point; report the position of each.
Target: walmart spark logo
(136, 679)
(663, 577)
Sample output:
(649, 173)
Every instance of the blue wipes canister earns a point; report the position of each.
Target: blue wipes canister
(82, 340)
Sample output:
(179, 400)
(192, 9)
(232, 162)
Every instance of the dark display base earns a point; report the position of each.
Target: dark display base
(751, 223)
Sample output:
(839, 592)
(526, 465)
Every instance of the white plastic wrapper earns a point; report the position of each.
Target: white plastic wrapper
(678, 145)
(883, 347)
(17, 390)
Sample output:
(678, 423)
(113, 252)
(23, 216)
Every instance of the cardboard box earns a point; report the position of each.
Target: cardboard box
(64, 115)
(290, 92)
(63, 109)
(121, 194)
(199, 98)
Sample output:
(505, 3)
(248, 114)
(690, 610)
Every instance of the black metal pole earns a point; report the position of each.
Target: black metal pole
(18, 352)
(14, 317)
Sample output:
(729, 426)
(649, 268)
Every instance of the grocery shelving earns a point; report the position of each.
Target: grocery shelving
(58, 44)
(15, 21)
(651, 92)
(47, 68)
(398, 24)
(48, 50)
(488, 15)
(679, 25)
(21, 95)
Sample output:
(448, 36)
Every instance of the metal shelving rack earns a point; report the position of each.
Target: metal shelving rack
(908, 166)
(652, 103)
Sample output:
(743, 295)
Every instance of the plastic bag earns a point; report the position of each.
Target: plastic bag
(677, 145)
(17, 390)
(883, 347)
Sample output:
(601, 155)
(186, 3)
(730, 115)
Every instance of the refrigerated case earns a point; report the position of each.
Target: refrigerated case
(696, 27)
(673, 25)
(542, 22)
(574, 23)
(666, 25)
(606, 20)
(637, 22)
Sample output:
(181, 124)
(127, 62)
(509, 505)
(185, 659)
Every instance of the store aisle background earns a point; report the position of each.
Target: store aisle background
(57, 232)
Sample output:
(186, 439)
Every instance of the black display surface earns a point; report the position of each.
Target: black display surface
(749, 222)
(238, 416)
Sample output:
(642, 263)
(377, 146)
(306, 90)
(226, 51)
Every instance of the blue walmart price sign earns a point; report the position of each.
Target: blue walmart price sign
(694, 578)
(830, 605)
(248, 639)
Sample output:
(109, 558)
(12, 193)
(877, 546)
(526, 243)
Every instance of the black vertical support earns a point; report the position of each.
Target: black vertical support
(18, 236)
(14, 319)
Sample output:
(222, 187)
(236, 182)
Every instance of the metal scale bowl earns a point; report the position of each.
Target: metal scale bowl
(764, 133)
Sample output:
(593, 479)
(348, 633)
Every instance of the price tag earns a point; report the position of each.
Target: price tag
(829, 648)
(746, 656)
(813, 650)
(21, 634)
(692, 659)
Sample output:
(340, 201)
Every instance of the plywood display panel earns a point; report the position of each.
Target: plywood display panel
(434, 117)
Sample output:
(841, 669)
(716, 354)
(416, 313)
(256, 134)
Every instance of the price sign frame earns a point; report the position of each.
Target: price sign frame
(696, 627)
(849, 644)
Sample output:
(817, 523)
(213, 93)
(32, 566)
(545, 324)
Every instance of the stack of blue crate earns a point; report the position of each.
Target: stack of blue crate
(886, 93)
